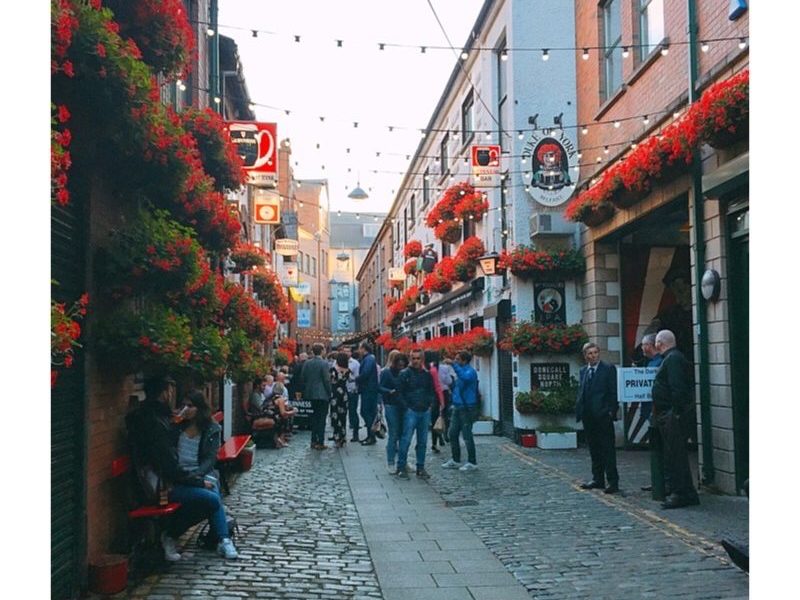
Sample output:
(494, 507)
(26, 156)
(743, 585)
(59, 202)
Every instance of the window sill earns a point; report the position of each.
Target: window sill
(606, 106)
(647, 62)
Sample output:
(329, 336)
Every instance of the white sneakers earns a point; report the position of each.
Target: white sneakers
(226, 548)
(170, 550)
(468, 466)
(451, 464)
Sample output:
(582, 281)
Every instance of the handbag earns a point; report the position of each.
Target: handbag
(438, 426)
(378, 426)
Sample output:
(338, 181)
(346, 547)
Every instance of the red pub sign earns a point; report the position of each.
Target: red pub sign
(257, 145)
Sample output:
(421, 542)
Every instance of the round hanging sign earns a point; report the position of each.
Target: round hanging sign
(549, 163)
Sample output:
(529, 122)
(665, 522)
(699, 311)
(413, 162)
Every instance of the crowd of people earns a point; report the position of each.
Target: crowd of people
(412, 395)
(174, 453)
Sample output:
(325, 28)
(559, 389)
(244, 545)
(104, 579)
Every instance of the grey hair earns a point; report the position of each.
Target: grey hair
(649, 338)
(589, 345)
(666, 337)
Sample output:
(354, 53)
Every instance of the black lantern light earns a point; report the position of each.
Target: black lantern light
(488, 263)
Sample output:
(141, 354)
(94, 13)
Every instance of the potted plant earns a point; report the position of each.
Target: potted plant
(412, 249)
(448, 231)
(529, 338)
(550, 411)
(525, 261)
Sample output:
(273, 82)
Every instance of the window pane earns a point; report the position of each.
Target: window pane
(652, 26)
(613, 24)
(613, 71)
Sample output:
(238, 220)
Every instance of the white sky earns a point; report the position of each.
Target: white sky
(357, 82)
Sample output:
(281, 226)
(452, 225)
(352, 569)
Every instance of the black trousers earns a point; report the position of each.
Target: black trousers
(600, 437)
(318, 417)
(674, 435)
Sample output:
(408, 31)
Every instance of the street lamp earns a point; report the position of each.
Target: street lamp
(488, 263)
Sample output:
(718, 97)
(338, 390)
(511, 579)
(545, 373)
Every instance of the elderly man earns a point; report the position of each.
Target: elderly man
(316, 382)
(672, 407)
(596, 406)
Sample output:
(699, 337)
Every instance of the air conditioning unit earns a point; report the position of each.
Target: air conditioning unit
(550, 224)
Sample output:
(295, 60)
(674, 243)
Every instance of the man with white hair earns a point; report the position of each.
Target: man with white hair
(672, 406)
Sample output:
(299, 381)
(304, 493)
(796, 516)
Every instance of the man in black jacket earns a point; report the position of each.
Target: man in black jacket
(672, 408)
(416, 393)
(597, 406)
(315, 378)
(156, 460)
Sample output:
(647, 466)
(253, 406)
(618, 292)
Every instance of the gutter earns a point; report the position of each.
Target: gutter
(699, 266)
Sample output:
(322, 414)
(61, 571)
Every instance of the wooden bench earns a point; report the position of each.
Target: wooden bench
(145, 514)
(227, 455)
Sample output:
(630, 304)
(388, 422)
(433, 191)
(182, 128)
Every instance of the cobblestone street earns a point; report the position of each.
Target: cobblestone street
(338, 525)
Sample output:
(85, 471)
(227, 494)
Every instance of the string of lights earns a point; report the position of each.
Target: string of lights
(705, 44)
(488, 135)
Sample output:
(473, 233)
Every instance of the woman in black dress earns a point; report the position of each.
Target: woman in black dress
(339, 376)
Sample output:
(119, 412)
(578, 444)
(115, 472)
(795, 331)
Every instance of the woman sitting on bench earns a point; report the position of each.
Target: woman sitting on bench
(284, 412)
(197, 438)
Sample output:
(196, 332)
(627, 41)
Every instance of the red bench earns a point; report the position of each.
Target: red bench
(144, 514)
(228, 454)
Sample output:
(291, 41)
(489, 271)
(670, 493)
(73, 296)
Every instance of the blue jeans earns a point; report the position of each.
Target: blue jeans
(394, 425)
(352, 407)
(197, 504)
(369, 410)
(461, 421)
(419, 422)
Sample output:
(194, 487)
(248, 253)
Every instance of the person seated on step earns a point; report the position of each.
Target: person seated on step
(155, 459)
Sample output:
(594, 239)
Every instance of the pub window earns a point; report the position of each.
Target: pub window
(426, 187)
(458, 328)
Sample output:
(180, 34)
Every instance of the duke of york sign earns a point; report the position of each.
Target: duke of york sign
(548, 163)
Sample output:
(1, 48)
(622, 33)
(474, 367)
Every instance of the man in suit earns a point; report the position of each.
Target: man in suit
(597, 406)
(316, 381)
(673, 404)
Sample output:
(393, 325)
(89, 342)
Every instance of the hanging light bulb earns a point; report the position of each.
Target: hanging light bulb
(545, 54)
(585, 55)
(584, 130)
(488, 135)
(504, 55)
(358, 216)
(599, 159)
(422, 133)
(742, 43)
(646, 120)
(704, 46)
(209, 32)
(605, 149)
(580, 155)
(217, 99)
(665, 50)
(520, 135)
(617, 124)
(252, 106)
(464, 55)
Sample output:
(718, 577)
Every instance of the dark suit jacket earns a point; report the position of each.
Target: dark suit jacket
(597, 399)
(316, 379)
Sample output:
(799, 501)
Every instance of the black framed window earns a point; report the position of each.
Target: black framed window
(502, 90)
(444, 160)
(466, 118)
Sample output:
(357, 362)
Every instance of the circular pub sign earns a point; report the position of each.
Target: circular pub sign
(548, 163)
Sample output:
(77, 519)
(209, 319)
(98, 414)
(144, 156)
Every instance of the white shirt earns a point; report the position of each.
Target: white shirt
(353, 365)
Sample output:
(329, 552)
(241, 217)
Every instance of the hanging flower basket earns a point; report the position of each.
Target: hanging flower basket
(625, 198)
(724, 111)
(411, 267)
(598, 214)
(448, 231)
(464, 270)
(526, 262)
(412, 249)
(529, 338)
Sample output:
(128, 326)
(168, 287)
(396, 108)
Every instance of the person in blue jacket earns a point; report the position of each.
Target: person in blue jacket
(367, 382)
(392, 406)
(464, 413)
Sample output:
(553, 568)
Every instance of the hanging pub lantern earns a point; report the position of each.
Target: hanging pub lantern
(488, 263)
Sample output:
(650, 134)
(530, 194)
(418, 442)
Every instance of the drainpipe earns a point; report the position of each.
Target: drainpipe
(699, 266)
(213, 58)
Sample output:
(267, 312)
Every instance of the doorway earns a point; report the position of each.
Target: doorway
(738, 221)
